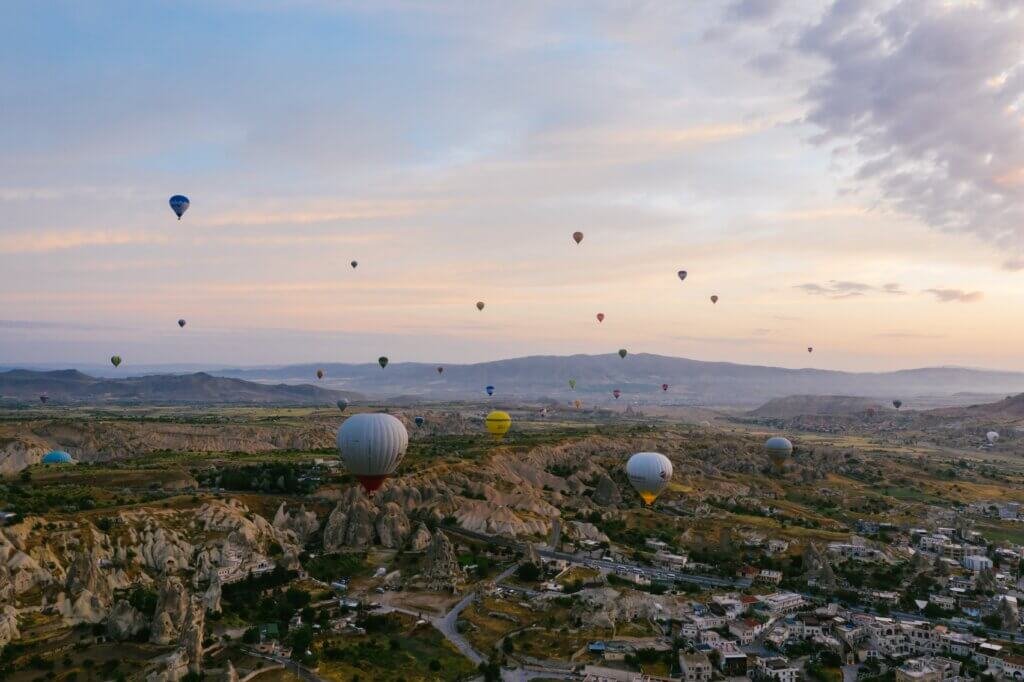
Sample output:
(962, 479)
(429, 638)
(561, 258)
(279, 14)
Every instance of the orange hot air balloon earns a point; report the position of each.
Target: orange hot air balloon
(577, 403)
(600, 317)
(577, 237)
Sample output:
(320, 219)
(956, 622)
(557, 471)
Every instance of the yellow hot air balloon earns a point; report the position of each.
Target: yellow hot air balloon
(578, 404)
(498, 423)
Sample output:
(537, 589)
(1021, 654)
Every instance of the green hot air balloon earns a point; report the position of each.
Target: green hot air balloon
(572, 384)
(382, 361)
(115, 360)
(623, 352)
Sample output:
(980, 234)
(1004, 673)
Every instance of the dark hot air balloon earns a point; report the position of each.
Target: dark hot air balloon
(714, 298)
(179, 204)
(181, 323)
(382, 361)
(616, 393)
(897, 404)
(440, 370)
(419, 421)
(490, 390)
(479, 305)
(577, 237)
(319, 374)
(354, 264)
(600, 317)
(664, 387)
(682, 274)
(115, 360)
(623, 352)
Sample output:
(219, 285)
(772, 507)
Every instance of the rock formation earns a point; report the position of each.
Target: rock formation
(171, 610)
(192, 635)
(392, 526)
(442, 572)
(124, 621)
(8, 624)
(301, 524)
(351, 524)
(211, 598)
(420, 540)
(606, 493)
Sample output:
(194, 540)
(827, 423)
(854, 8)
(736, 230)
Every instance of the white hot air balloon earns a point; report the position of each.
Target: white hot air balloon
(372, 446)
(649, 473)
(992, 437)
(779, 449)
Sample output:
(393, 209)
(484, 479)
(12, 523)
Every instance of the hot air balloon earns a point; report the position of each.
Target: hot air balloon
(714, 298)
(498, 423)
(897, 404)
(179, 204)
(577, 237)
(382, 361)
(479, 305)
(705, 424)
(623, 352)
(319, 374)
(490, 390)
(372, 446)
(600, 317)
(181, 323)
(649, 474)
(664, 387)
(44, 399)
(342, 404)
(440, 370)
(354, 264)
(572, 384)
(616, 393)
(419, 421)
(779, 449)
(577, 404)
(992, 437)
(810, 349)
(682, 274)
(115, 360)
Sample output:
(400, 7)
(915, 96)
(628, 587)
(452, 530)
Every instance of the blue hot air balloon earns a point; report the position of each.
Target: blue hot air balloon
(490, 390)
(179, 204)
(419, 421)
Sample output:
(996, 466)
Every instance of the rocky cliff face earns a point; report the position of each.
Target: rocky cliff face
(420, 540)
(442, 572)
(606, 493)
(192, 635)
(8, 624)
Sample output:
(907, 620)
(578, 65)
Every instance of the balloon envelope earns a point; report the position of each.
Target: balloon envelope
(342, 404)
(623, 352)
(779, 449)
(992, 436)
(572, 384)
(181, 323)
(897, 404)
(664, 387)
(382, 361)
(419, 421)
(577, 403)
(44, 399)
(810, 349)
(682, 274)
(616, 393)
(490, 390)
(600, 317)
(649, 473)
(498, 423)
(319, 374)
(479, 305)
(372, 446)
(354, 264)
(179, 204)
(440, 369)
(115, 360)
(714, 298)
(577, 237)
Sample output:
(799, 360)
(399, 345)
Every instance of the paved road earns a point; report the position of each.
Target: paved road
(302, 671)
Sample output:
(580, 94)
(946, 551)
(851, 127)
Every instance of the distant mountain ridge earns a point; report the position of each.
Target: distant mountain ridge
(797, 405)
(72, 386)
(639, 377)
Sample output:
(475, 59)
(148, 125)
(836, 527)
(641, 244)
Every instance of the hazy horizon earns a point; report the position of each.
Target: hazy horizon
(826, 171)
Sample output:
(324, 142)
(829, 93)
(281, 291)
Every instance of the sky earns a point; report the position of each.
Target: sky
(844, 175)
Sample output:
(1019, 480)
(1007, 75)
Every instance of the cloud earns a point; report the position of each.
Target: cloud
(753, 10)
(957, 295)
(847, 289)
(908, 335)
(41, 242)
(930, 96)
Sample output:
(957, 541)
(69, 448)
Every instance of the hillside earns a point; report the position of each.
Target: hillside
(639, 377)
(72, 386)
(795, 405)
